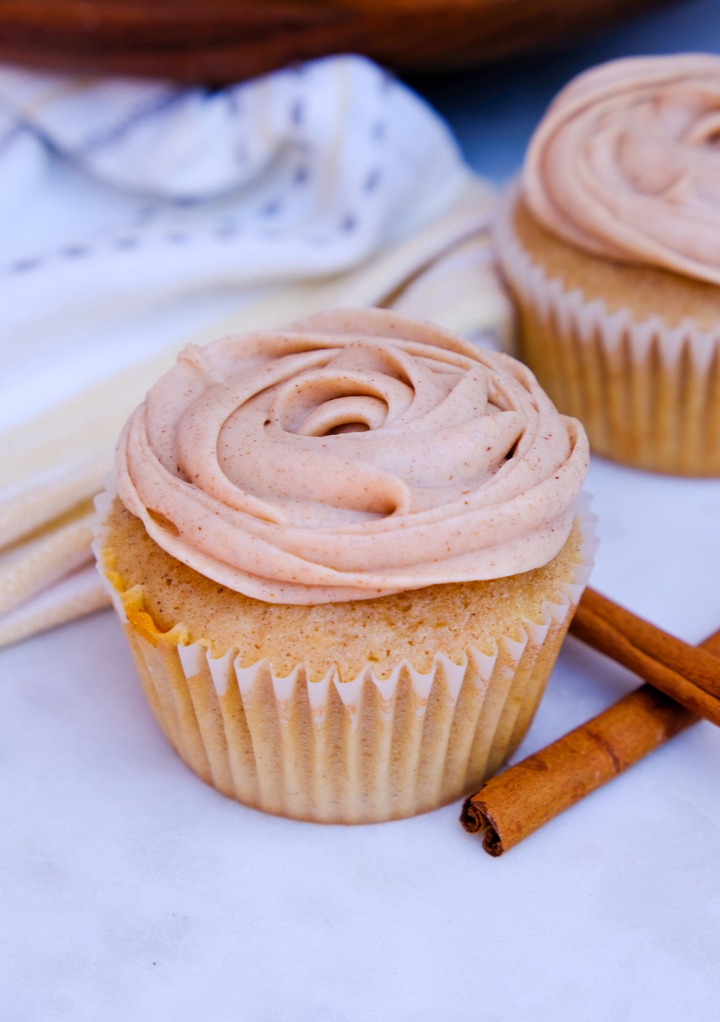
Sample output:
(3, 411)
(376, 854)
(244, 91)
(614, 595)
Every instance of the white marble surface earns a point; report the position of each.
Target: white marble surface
(130, 891)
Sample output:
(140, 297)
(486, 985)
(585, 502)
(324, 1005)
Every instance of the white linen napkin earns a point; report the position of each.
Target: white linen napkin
(141, 216)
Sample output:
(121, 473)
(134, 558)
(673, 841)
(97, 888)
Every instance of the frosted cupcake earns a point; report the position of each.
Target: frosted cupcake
(345, 554)
(611, 244)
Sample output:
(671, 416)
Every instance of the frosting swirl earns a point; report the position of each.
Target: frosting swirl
(626, 163)
(348, 456)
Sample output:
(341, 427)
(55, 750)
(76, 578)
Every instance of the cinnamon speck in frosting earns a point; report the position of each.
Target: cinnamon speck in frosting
(625, 164)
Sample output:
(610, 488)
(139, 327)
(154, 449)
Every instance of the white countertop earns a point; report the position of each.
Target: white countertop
(132, 892)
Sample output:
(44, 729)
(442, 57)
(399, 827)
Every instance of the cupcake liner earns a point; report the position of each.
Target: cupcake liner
(360, 751)
(648, 394)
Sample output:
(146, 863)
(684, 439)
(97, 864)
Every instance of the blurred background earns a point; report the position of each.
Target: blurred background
(497, 61)
(507, 98)
(222, 41)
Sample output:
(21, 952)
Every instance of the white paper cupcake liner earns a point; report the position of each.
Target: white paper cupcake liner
(648, 394)
(362, 751)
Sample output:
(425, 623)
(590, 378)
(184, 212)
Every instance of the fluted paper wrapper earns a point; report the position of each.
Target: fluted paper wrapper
(648, 394)
(359, 751)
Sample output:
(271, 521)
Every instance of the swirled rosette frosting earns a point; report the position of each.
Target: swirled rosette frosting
(349, 456)
(626, 163)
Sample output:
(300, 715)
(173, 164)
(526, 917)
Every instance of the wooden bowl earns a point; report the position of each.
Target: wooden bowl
(219, 41)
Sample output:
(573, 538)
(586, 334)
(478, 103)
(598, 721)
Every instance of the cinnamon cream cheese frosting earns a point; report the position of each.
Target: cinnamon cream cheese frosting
(626, 163)
(352, 455)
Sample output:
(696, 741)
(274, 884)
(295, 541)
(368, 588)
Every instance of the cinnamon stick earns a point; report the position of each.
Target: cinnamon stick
(521, 799)
(688, 674)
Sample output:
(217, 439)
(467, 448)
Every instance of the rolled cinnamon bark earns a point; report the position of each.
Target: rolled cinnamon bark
(688, 674)
(521, 799)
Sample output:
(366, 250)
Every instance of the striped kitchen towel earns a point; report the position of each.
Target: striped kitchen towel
(140, 216)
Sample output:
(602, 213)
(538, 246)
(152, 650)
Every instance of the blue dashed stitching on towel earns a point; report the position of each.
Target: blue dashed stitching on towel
(125, 244)
(271, 208)
(147, 213)
(75, 251)
(113, 132)
(129, 243)
(372, 180)
(25, 265)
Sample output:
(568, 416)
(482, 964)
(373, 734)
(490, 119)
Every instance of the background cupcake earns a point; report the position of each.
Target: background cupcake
(611, 244)
(345, 554)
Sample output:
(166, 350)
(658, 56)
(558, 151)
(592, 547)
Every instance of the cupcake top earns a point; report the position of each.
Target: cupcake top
(348, 456)
(626, 163)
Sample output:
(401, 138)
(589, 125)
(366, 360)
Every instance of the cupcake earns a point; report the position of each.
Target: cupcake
(611, 245)
(345, 554)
